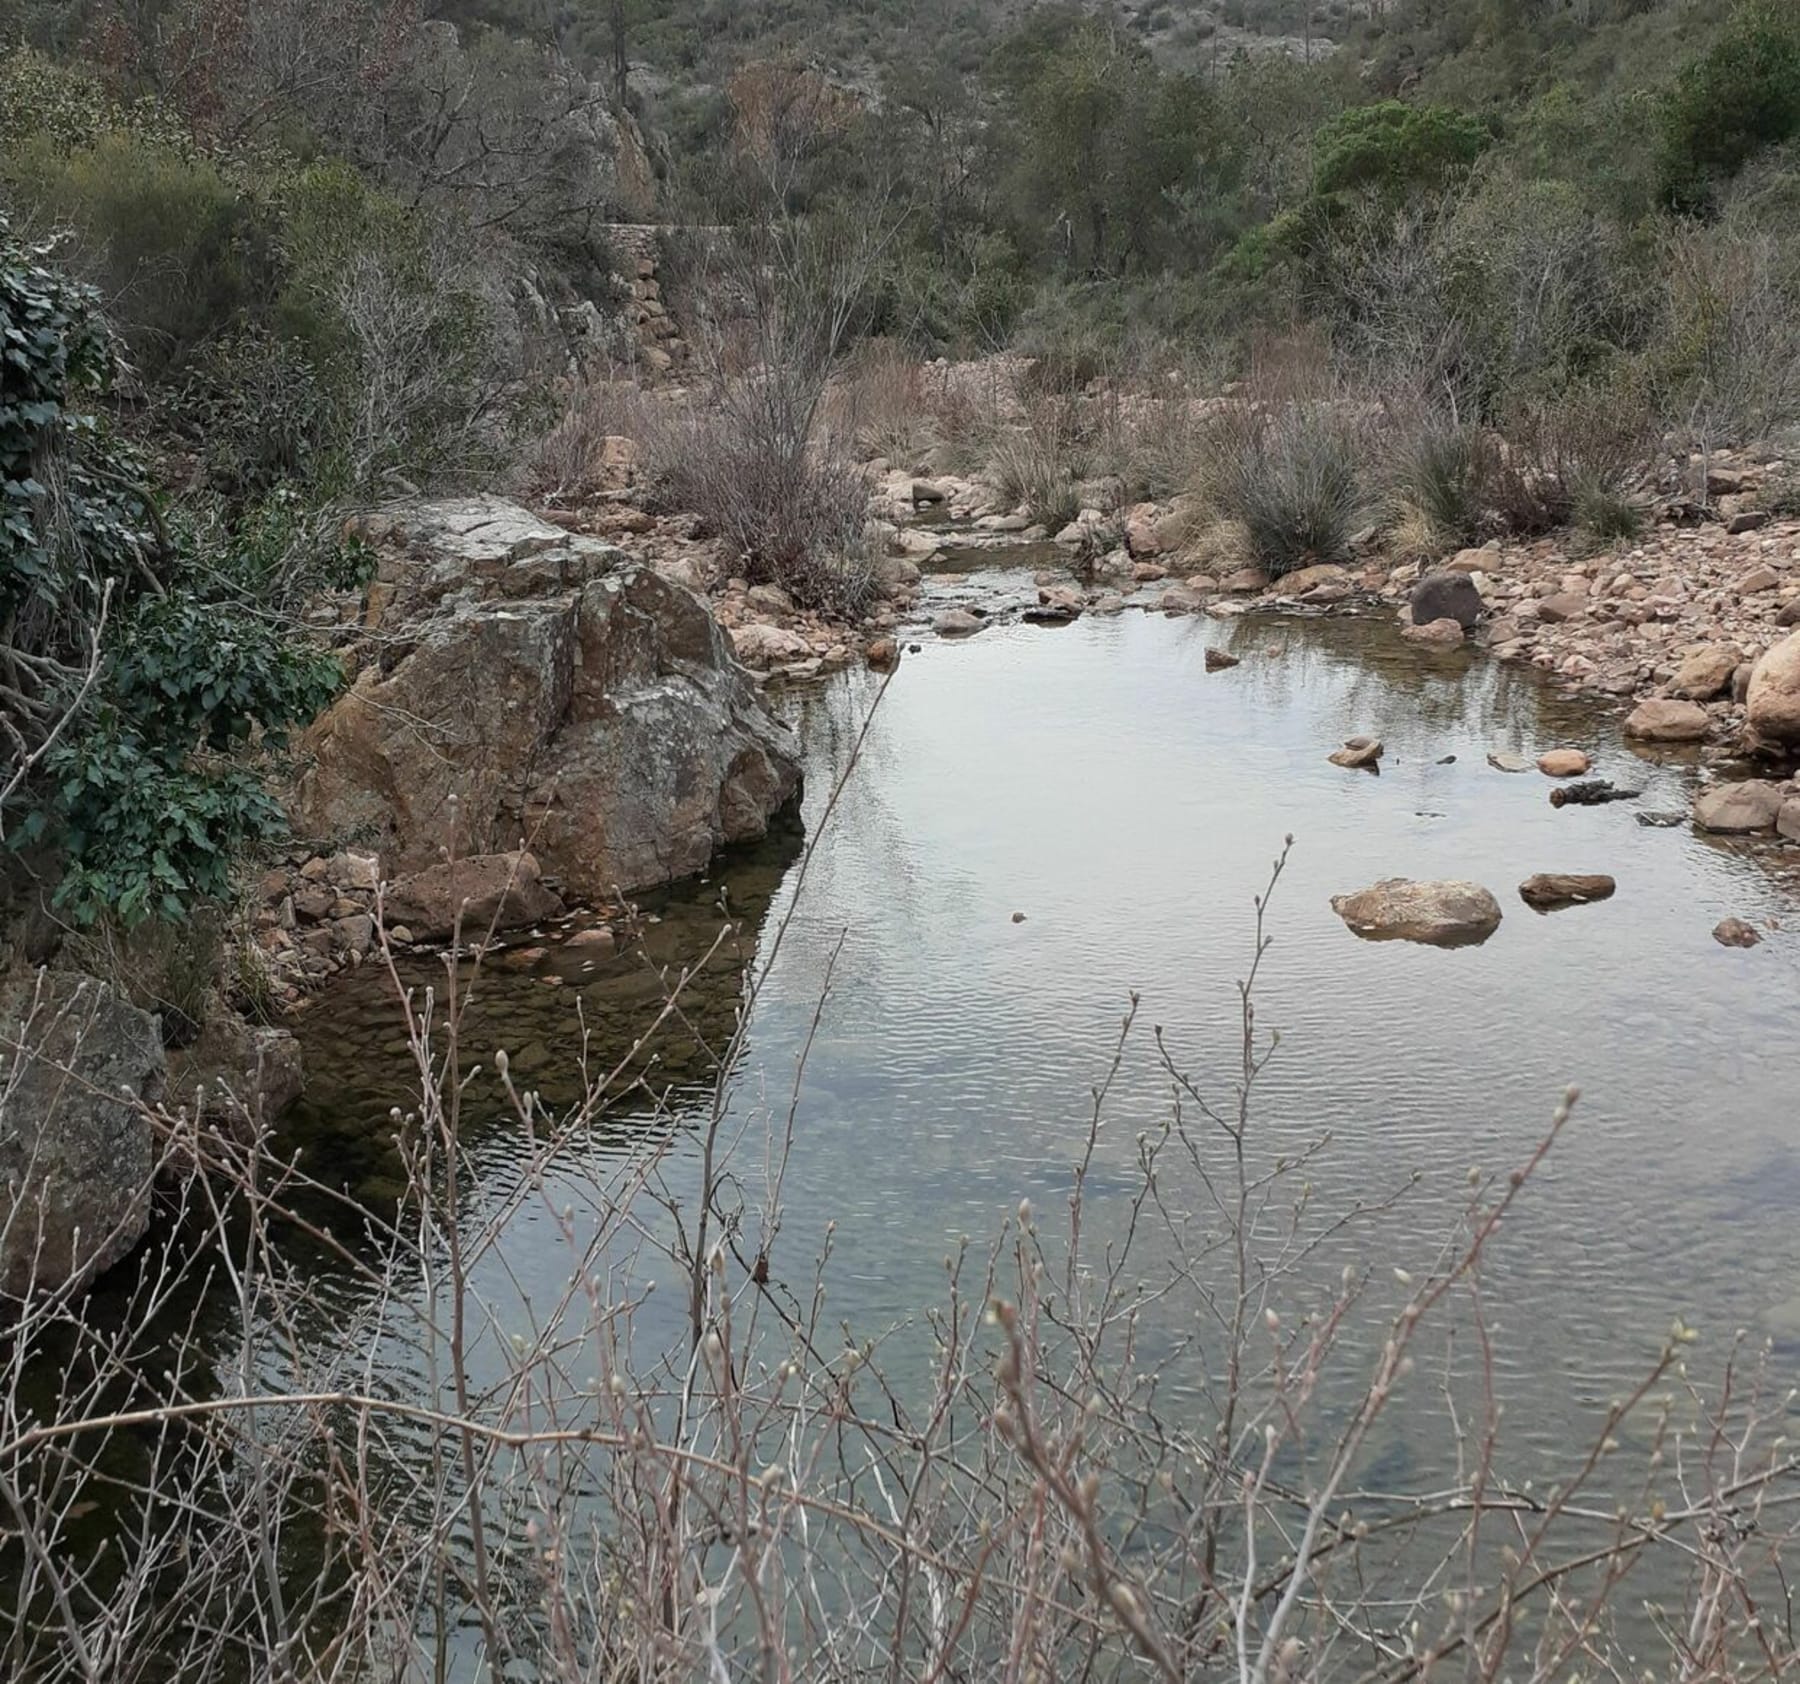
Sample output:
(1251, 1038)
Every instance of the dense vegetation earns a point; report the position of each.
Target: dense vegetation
(336, 246)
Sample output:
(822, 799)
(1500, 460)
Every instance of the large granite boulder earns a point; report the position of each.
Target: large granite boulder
(525, 685)
(78, 1066)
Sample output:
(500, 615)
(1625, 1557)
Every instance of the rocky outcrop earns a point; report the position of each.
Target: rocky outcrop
(513, 681)
(1437, 914)
(78, 1064)
(1774, 698)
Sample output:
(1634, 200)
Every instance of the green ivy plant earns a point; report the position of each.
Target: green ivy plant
(141, 683)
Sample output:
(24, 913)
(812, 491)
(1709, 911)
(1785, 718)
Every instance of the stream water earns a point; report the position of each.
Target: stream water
(1036, 826)
(1098, 781)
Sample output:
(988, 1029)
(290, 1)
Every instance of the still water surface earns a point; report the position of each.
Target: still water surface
(1097, 780)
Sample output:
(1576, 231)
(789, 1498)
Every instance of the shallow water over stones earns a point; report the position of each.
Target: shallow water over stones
(1097, 779)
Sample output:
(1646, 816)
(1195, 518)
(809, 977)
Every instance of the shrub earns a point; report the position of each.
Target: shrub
(176, 248)
(883, 405)
(1392, 151)
(1592, 443)
(1037, 466)
(391, 307)
(1292, 477)
(570, 460)
(1440, 477)
(134, 674)
(791, 509)
(1732, 103)
(1605, 514)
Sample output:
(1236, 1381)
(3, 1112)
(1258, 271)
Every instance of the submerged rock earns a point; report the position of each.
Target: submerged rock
(1550, 890)
(1447, 914)
(1218, 661)
(531, 682)
(1734, 932)
(958, 622)
(1596, 792)
(1503, 760)
(76, 1159)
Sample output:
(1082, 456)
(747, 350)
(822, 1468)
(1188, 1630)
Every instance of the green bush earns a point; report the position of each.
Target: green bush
(177, 248)
(1394, 151)
(137, 675)
(1733, 102)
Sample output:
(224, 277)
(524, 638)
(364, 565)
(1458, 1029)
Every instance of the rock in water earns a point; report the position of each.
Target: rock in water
(1359, 754)
(489, 891)
(1595, 792)
(237, 1076)
(1739, 809)
(1658, 720)
(1734, 932)
(1438, 914)
(76, 1160)
(958, 622)
(1774, 697)
(1564, 763)
(1218, 661)
(531, 682)
(759, 645)
(1446, 596)
(1503, 760)
(1443, 633)
(1550, 890)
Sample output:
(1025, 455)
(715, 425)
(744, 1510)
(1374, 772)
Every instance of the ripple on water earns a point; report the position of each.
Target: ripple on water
(1099, 780)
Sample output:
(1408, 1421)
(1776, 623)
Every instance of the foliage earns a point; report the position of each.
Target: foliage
(161, 231)
(1393, 151)
(136, 675)
(1733, 102)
